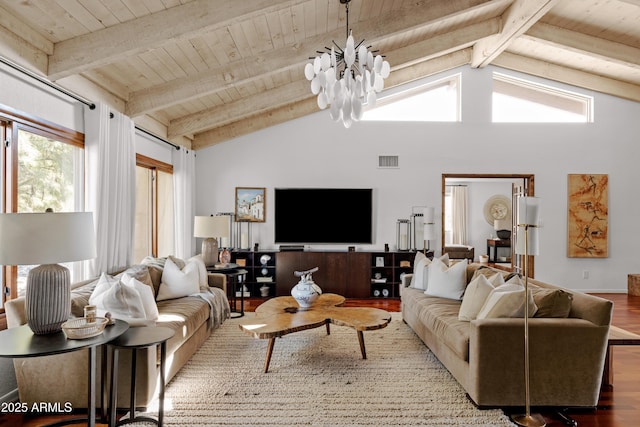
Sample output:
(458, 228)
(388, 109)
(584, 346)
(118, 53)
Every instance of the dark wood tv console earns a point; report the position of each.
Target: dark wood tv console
(352, 274)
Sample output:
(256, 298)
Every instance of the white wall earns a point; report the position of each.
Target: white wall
(313, 151)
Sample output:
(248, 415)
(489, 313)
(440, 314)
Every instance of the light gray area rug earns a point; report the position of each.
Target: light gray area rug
(317, 379)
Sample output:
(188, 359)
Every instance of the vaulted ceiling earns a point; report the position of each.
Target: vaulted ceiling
(211, 70)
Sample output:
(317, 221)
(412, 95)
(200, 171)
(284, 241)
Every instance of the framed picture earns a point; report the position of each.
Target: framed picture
(379, 261)
(588, 216)
(250, 204)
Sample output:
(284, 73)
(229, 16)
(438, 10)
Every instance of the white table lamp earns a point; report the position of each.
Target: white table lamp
(210, 228)
(47, 239)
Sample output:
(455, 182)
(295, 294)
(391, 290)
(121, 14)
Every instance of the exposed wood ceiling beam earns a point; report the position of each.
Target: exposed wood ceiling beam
(246, 70)
(18, 51)
(416, 53)
(271, 117)
(605, 50)
(120, 41)
(569, 76)
(520, 16)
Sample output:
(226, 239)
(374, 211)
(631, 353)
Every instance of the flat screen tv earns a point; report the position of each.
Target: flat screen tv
(323, 215)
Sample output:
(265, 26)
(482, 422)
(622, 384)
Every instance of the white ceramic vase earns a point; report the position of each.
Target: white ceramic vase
(306, 292)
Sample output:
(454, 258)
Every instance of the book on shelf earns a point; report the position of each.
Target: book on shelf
(264, 279)
(246, 294)
(383, 280)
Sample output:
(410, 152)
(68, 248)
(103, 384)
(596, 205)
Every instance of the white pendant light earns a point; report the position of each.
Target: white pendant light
(347, 79)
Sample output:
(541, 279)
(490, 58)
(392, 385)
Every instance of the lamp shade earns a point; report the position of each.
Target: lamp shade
(46, 238)
(429, 227)
(211, 226)
(528, 219)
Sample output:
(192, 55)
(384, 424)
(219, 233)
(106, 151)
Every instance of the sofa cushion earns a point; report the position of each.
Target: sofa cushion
(476, 294)
(440, 316)
(177, 283)
(552, 302)
(447, 282)
(184, 316)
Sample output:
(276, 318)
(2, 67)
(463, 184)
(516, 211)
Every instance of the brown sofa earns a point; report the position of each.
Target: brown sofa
(487, 356)
(63, 378)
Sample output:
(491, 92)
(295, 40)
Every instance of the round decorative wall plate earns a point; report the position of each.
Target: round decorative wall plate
(497, 207)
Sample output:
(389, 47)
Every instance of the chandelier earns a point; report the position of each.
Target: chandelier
(346, 79)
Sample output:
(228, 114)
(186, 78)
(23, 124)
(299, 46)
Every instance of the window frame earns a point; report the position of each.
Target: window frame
(154, 166)
(13, 121)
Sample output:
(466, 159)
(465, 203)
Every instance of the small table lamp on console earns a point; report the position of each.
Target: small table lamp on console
(210, 228)
(47, 239)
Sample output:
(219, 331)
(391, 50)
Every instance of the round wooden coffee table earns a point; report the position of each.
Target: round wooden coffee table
(282, 315)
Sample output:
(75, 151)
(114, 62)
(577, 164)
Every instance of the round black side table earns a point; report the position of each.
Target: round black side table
(133, 339)
(22, 342)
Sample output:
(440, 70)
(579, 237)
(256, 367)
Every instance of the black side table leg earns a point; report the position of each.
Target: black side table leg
(163, 352)
(114, 388)
(132, 399)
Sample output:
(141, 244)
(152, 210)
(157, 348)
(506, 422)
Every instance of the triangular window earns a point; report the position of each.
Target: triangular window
(437, 101)
(517, 100)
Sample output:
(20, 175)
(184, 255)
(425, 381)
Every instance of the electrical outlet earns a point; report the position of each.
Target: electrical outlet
(585, 274)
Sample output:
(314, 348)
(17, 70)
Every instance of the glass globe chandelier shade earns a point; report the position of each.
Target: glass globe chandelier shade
(347, 79)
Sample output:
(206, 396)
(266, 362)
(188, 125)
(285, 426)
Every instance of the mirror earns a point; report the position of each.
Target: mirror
(485, 198)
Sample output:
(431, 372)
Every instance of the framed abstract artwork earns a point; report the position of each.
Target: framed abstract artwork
(250, 204)
(588, 216)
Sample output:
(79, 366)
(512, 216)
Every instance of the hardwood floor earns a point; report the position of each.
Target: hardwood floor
(617, 408)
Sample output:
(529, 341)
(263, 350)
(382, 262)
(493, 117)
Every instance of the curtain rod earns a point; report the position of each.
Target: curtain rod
(86, 102)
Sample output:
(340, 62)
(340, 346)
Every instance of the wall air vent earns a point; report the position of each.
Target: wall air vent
(388, 162)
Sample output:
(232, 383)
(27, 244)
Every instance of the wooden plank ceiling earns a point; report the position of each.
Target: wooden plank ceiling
(213, 70)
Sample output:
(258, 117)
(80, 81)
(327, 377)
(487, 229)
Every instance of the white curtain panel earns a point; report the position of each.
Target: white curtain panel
(184, 180)
(459, 215)
(110, 173)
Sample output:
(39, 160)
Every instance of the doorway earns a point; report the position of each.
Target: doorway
(481, 188)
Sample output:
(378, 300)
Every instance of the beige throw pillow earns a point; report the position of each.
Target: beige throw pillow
(476, 294)
(507, 301)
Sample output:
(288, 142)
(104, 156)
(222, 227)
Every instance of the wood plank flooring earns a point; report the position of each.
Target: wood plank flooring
(617, 408)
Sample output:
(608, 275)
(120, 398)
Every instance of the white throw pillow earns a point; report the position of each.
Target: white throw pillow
(419, 259)
(420, 279)
(148, 300)
(203, 276)
(507, 301)
(476, 294)
(122, 301)
(178, 283)
(447, 282)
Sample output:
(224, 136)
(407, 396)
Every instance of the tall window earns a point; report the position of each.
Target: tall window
(42, 168)
(154, 208)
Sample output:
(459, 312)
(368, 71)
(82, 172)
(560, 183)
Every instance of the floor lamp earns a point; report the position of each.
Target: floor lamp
(527, 245)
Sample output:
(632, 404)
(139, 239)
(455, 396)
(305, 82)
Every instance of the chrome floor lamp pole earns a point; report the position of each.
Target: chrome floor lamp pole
(527, 419)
